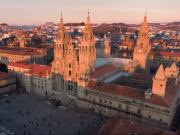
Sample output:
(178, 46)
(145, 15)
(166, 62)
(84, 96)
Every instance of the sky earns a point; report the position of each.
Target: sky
(129, 11)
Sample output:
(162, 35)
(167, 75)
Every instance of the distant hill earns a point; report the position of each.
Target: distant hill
(174, 23)
(4, 24)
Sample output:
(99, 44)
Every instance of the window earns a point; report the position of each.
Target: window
(160, 120)
(69, 87)
(69, 72)
(69, 65)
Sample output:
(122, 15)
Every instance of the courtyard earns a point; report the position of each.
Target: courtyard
(25, 114)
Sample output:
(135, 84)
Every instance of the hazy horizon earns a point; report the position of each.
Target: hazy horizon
(36, 12)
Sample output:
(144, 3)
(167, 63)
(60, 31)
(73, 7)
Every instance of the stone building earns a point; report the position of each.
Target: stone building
(7, 83)
(117, 126)
(41, 55)
(22, 40)
(165, 57)
(107, 47)
(71, 67)
(142, 48)
(154, 106)
(33, 78)
(74, 62)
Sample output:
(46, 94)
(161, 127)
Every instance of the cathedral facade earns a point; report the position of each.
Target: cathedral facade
(73, 62)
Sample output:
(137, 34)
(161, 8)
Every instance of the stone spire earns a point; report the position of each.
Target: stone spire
(160, 74)
(61, 29)
(144, 26)
(172, 71)
(174, 67)
(88, 33)
(159, 82)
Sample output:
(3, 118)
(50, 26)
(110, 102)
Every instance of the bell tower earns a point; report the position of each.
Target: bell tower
(62, 39)
(107, 47)
(142, 48)
(22, 40)
(87, 50)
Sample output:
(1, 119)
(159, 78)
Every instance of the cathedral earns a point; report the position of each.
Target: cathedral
(77, 76)
(73, 62)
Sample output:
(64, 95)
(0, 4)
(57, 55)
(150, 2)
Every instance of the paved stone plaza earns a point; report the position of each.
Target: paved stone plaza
(28, 115)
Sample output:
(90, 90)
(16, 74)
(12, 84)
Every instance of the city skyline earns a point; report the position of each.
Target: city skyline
(38, 12)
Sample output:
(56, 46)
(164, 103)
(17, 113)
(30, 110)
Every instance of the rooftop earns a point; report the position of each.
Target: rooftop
(34, 69)
(117, 126)
(136, 93)
(165, 53)
(100, 71)
(21, 51)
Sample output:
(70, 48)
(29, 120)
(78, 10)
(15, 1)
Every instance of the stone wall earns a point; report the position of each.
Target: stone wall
(113, 105)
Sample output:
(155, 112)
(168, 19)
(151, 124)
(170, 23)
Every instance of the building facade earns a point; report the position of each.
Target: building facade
(142, 48)
(7, 83)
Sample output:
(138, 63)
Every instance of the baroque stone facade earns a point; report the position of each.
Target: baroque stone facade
(74, 62)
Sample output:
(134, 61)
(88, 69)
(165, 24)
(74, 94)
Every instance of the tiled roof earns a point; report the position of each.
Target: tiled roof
(117, 126)
(40, 70)
(19, 64)
(20, 51)
(103, 70)
(34, 69)
(165, 53)
(134, 92)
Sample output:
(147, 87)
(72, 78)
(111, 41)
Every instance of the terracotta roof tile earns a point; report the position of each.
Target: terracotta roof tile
(133, 93)
(103, 70)
(39, 70)
(165, 53)
(21, 51)
(117, 126)
(34, 69)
